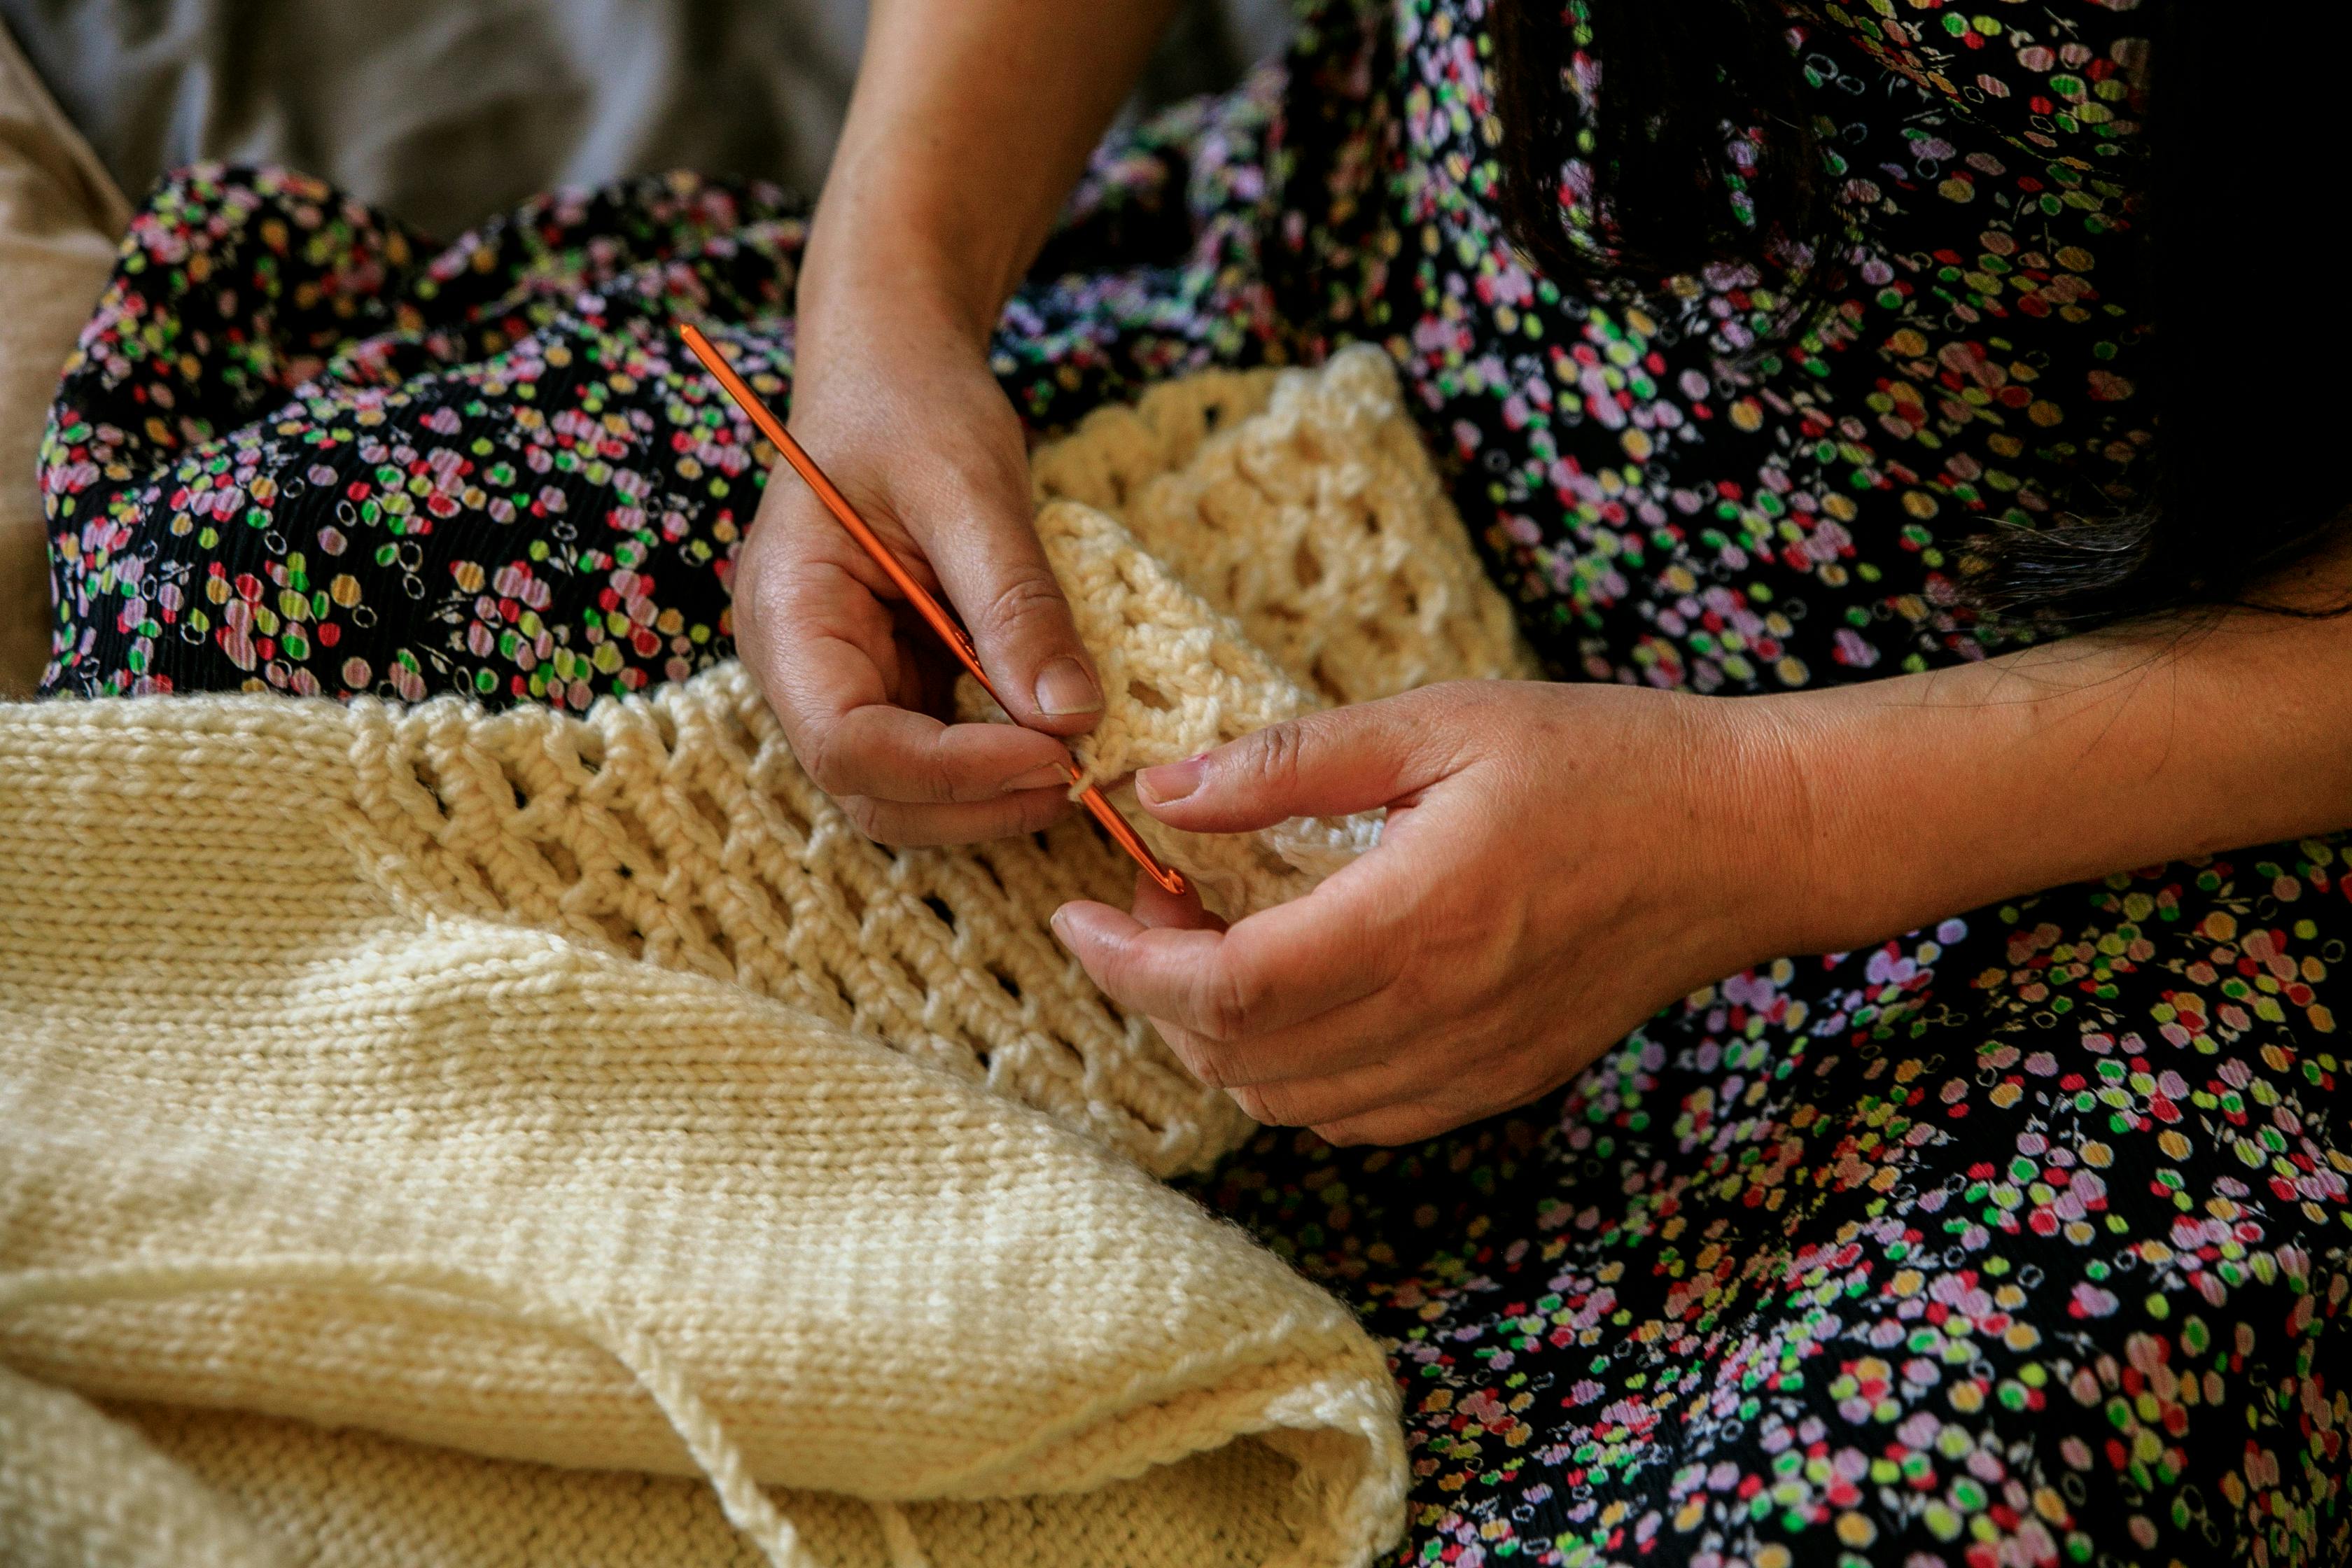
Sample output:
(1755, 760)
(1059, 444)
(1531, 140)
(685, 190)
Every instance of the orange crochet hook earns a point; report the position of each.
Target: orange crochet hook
(959, 641)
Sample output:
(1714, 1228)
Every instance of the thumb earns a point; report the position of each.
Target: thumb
(996, 572)
(1326, 764)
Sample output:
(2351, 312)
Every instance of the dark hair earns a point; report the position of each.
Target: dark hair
(1698, 111)
(1692, 141)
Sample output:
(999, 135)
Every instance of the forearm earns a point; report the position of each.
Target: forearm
(970, 121)
(1924, 795)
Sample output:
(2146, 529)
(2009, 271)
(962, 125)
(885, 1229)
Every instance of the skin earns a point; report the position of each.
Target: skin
(1560, 861)
(970, 121)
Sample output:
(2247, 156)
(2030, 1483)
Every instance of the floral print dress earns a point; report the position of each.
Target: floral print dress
(2018, 1240)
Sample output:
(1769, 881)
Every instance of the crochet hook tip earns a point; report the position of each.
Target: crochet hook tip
(1123, 834)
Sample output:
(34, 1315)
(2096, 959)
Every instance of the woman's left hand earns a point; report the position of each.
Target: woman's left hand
(1560, 862)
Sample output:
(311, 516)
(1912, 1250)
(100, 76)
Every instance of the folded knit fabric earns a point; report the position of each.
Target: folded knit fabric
(530, 1096)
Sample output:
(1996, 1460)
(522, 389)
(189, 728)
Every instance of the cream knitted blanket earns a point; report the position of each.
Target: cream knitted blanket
(428, 1134)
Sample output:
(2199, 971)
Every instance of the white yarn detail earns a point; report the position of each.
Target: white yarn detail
(1244, 548)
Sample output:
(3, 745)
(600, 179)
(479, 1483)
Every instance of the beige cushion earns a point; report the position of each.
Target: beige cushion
(59, 215)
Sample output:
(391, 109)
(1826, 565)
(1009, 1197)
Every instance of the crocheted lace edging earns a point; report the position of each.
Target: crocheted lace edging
(1239, 549)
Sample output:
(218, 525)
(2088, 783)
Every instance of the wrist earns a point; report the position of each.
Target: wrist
(1904, 811)
(1823, 841)
(881, 242)
(1792, 850)
(898, 288)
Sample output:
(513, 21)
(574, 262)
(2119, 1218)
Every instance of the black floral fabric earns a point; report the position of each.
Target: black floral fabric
(2017, 1240)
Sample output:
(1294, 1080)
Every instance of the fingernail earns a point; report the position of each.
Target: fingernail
(1061, 928)
(1065, 687)
(1170, 782)
(1037, 778)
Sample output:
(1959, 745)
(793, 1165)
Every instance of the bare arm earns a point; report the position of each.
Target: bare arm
(970, 121)
(1929, 794)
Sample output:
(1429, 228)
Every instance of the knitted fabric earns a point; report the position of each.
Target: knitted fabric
(283, 1137)
(537, 1091)
(160, 1485)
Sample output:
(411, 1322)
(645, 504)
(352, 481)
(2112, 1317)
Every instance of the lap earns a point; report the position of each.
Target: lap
(2017, 1235)
(302, 449)
(2008, 1241)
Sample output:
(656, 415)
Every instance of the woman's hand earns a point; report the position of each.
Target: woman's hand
(970, 124)
(1559, 863)
(1562, 862)
(896, 402)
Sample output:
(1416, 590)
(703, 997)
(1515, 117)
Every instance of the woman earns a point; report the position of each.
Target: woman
(2015, 1239)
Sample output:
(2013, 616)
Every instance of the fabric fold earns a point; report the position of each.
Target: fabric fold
(283, 1138)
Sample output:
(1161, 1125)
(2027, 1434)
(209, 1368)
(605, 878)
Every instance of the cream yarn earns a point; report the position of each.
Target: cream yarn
(679, 830)
(284, 1135)
(1241, 548)
(76, 1488)
(586, 1093)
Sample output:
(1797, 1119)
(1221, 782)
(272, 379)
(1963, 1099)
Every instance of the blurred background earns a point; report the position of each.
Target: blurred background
(445, 111)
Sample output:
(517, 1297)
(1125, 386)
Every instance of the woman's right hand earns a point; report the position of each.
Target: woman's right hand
(970, 124)
(894, 399)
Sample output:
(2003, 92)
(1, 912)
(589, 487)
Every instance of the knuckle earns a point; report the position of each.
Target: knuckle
(1204, 1064)
(1022, 600)
(1278, 755)
(869, 817)
(819, 751)
(744, 609)
(1269, 1105)
(773, 567)
(935, 780)
(1228, 1004)
(754, 558)
(1036, 812)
